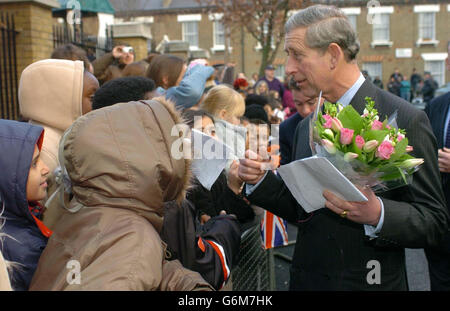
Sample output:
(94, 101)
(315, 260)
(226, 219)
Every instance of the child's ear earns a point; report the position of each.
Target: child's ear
(222, 114)
(165, 81)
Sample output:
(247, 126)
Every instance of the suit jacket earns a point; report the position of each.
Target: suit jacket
(333, 253)
(287, 131)
(437, 112)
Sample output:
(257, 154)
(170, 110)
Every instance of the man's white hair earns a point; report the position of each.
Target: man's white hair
(325, 25)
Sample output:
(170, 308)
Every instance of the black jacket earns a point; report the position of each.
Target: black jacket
(428, 89)
(333, 253)
(437, 112)
(287, 131)
(221, 197)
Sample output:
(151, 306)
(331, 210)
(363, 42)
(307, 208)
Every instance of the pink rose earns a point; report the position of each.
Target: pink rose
(377, 125)
(400, 136)
(346, 136)
(359, 140)
(328, 119)
(385, 150)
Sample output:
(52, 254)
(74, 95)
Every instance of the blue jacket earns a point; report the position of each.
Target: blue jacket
(191, 88)
(25, 242)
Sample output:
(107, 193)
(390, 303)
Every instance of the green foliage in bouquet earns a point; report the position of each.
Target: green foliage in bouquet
(373, 146)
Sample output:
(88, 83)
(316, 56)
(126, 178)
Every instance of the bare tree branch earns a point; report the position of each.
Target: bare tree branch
(263, 19)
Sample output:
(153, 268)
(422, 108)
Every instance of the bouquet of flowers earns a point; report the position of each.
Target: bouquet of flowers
(369, 152)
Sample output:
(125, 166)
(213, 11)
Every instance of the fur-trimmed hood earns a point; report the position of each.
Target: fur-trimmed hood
(120, 157)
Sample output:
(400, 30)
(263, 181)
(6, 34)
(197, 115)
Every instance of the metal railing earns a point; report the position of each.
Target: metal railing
(255, 270)
(9, 106)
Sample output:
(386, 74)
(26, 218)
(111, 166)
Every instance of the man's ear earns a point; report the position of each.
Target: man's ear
(336, 54)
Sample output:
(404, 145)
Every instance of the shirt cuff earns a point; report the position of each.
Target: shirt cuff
(250, 188)
(372, 231)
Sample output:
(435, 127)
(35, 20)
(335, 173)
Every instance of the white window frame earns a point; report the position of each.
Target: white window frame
(216, 18)
(439, 77)
(436, 57)
(352, 12)
(380, 75)
(258, 46)
(189, 18)
(382, 11)
(426, 9)
(280, 68)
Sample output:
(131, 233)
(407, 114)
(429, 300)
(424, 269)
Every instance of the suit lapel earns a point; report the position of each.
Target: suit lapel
(443, 115)
(359, 100)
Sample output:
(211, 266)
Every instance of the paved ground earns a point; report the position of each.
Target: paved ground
(416, 266)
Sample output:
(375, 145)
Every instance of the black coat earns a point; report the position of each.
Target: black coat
(221, 197)
(428, 89)
(287, 131)
(332, 253)
(437, 112)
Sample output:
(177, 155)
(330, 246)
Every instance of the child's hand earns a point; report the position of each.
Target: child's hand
(204, 218)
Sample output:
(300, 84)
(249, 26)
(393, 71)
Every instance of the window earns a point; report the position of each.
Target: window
(427, 26)
(265, 31)
(219, 34)
(374, 69)
(279, 72)
(190, 33)
(352, 19)
(380, 30)
(437, 70)
(426, 23)
(352, 14)
(190, 29)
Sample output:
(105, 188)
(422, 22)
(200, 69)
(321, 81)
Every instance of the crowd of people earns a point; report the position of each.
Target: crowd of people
(93, 198)
(410, 89)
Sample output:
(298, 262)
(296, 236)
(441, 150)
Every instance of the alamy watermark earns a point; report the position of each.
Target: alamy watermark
(73, 12)
(373, 18)
(374, 275)
(73, 277)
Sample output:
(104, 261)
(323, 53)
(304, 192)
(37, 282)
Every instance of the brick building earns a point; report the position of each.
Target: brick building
(393, 34)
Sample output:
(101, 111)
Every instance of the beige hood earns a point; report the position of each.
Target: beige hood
(50, 92)
(120, 156)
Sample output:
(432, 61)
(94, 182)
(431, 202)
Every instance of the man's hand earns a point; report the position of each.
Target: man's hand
(250, 168)
(444, 160)
(234, 181)
(367, 213)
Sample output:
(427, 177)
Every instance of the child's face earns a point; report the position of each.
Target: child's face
(236, 120)
(90, 86)
(37, 178)
(206, 126)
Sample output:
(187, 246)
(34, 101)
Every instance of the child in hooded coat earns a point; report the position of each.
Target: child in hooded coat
(23, 183)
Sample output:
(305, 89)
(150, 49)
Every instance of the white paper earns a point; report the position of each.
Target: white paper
(210, 156)
(306, 179)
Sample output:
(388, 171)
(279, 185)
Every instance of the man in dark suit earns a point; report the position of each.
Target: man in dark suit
(305, 106)
(438, 111)
(350, 245)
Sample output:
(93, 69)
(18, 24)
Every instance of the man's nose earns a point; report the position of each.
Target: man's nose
(290, 69)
